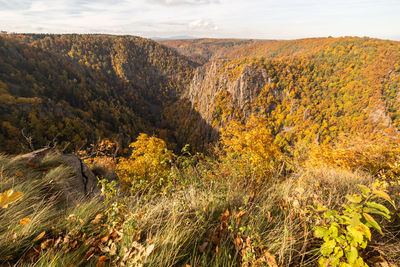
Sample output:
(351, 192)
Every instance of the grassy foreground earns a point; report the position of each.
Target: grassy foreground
(206, 216)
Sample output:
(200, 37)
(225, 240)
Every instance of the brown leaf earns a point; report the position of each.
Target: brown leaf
(203, 247)
(97, 219)
(140, 214)
(269, 216)
(114, 234)
(224, 216)
(113, 249)
(239, 216)
(102, 261)
(105, 238)
(215, 239)
(378, 261)
(24, 221)
(19, 173)
(31, 254)
(14, 236)
(40, 236)
(58, 241)
(138, 246)
(6, 258)
(89, 253)
(205, 208)
(149, 249)
(270, 259)
(252, 195)
(73, 245)
(30, 164)
(238, 242)
(71, 218)
(45, 244)
(45, 168)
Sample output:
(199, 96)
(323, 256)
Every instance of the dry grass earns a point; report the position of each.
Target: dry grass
(187, 223)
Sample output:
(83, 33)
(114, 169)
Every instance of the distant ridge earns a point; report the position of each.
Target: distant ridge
(182, 37)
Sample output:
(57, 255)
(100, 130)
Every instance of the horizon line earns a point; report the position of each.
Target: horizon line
(183, 37)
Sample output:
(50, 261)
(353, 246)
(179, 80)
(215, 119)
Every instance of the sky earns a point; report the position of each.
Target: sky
(256, 19)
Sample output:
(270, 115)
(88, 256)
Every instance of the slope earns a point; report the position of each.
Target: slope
(310, 89)
(204, 50)
(78, 88)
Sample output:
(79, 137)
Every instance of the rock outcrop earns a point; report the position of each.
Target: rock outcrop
(243, 83)
(82, 183)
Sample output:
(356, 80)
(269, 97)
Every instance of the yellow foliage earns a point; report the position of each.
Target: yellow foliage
(24, 221)
(9, 197)
(101, 155)
(251, 145)
(147, 166)
(378, 155)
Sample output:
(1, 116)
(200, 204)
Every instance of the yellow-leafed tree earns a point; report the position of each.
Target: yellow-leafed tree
(250, 146)
(148, 166)
(378, 155)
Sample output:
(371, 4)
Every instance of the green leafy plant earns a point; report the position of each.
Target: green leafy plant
(348, 231)
(116, 206)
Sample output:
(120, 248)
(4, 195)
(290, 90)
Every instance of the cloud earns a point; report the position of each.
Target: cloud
(269, 19)
(39, 6)
(183, 2)
(203, 24)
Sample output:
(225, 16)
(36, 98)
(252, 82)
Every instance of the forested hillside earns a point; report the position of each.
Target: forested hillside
(306, 90)
(78, 88)
(203, 50)
(207, 153)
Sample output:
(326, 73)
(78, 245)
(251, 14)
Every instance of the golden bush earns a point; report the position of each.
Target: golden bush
(251, 146)
(148, 166)
(378, 155)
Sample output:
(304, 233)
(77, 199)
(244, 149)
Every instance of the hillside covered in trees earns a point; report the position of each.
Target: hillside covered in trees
(208, 152)
(204, 50)
(308, 90)
(78, 88)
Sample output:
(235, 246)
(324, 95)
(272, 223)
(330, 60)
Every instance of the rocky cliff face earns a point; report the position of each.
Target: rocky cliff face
(240, 83)
(338, 86)
(82, 182)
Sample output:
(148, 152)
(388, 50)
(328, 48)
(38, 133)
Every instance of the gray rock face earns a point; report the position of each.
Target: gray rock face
(82, 183)
(216, 76)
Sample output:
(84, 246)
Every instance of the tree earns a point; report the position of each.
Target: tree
(148, 166)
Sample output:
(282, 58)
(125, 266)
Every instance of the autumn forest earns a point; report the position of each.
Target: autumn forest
(125, 151)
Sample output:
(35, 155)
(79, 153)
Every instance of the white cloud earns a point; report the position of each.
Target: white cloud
(204, 24)
(270, 19)
(183, 2)
(39, 6)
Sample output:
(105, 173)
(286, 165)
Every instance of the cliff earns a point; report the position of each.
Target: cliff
(307, 89)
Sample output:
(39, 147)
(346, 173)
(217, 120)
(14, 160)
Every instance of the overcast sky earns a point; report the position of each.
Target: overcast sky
(263, 19)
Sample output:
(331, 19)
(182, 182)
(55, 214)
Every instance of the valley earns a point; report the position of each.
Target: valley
(199, 152)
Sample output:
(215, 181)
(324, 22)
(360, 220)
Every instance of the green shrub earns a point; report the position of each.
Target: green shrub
(347, 232)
